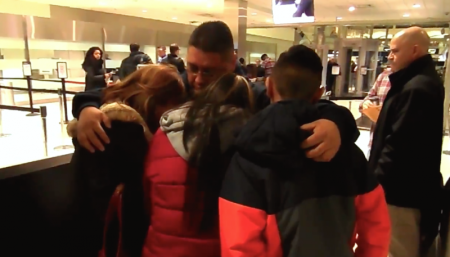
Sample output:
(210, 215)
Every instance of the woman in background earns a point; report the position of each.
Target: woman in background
(93, 66)
(134, 107)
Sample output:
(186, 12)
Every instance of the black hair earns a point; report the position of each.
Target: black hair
(213, 37)
(263, 57)
(173, 48)
(202, 128)
(134, 47)
(242, 60)
(298, 73)
(90, 61)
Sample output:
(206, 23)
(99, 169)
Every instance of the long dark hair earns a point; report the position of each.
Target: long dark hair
(90, 61)
(207, 114)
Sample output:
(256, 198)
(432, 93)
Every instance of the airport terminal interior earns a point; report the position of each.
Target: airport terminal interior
(44, 42)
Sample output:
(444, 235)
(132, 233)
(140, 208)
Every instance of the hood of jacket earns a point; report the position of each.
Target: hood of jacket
(115, 112)
(272, 138)
(172, 123)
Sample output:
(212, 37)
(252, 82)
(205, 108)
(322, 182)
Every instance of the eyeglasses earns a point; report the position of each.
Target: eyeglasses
(208, 74)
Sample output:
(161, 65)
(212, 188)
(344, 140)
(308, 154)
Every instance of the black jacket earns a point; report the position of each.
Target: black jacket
(273, 194)
(128, 65)
(407, 142)
(95, 78)
(175, 61)
(100, 173)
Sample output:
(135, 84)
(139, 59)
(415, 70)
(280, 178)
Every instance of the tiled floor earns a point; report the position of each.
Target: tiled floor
(25, 142)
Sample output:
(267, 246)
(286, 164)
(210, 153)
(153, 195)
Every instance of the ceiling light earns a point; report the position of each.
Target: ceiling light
(253, 13)
(268, 20)
(144, 10)
(406, 15)
(174, 18)
(351, 8)
(416, 5)
(102, 3)
(209, 5)
(338, 18)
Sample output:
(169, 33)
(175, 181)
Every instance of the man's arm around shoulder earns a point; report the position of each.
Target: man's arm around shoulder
(81, 100)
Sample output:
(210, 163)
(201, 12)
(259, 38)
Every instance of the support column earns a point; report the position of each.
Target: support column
(238, 25)
(447, 90)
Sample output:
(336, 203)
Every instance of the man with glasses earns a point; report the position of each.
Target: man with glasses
(210, 55)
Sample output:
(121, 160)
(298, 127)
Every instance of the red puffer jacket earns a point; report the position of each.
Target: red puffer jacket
(175, 205)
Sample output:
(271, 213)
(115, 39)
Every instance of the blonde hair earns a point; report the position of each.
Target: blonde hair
(147, 87)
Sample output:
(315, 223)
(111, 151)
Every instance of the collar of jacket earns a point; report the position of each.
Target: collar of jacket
(418, 66)
(136, 53)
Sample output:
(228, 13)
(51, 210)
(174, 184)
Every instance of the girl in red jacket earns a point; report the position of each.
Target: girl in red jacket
(185, 165)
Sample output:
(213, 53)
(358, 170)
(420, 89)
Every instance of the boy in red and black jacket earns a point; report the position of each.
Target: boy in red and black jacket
(276, 202)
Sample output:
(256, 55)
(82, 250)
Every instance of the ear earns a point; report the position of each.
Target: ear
(270, 87)
(318, 94)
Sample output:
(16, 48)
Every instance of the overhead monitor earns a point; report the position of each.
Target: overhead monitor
(293, 11)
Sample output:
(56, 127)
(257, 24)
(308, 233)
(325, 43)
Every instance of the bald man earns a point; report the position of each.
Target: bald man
(407, 144)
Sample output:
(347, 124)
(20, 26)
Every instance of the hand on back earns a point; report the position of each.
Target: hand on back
(90, 133)
(324, 142)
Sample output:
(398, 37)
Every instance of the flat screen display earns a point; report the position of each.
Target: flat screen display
(293, 11)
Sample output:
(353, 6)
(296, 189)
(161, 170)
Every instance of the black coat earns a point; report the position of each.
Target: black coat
(95, 77)
(175, 61)
(129, 65)
(100, 173)
(407, 143)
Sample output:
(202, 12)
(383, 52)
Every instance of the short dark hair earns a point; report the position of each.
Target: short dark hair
(173, 48)
(134, 47)
(264, 56)
(213, 37)
(298, 73)
(161, 48)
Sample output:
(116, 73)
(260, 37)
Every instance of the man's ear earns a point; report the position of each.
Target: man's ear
(318, 94)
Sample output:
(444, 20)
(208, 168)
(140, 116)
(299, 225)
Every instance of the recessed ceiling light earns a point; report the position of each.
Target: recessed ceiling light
(416, 5)
(268, 20)
(174, 18)
(406, 15)
(209, 5)
(144, 10)
(338, 18)
(253, 13)
(351, 8)
(102, 3)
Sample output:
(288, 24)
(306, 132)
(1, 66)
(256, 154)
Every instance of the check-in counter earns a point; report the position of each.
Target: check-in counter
(39, 210)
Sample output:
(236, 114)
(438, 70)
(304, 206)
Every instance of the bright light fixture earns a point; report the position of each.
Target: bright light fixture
(253, 13)
(209, 5)
(406, 15)
(102, 3)
(268, 20)
(144, 10)
(174, 18)
(416, 5)
(351, 8)
(338, 18)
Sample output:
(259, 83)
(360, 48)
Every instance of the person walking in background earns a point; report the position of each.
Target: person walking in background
(129, 64)
(376, 97)
(331, 78)
(407, 144)
(93, 66)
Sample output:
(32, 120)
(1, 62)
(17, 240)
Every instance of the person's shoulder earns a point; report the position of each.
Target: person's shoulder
(424, 85)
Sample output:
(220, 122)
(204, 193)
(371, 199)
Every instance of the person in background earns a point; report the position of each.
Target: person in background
(93, 66)
(331, 78)
(161, 53)
(128, 64)
(277, 202)
(133, 107)
(267, 64)
(378, 92)
(174, 59)
(259, 70)
(190, 153)
(243, 66)
(407, 144)
(208, 58)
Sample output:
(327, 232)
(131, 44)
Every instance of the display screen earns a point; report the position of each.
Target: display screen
(293, 11)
